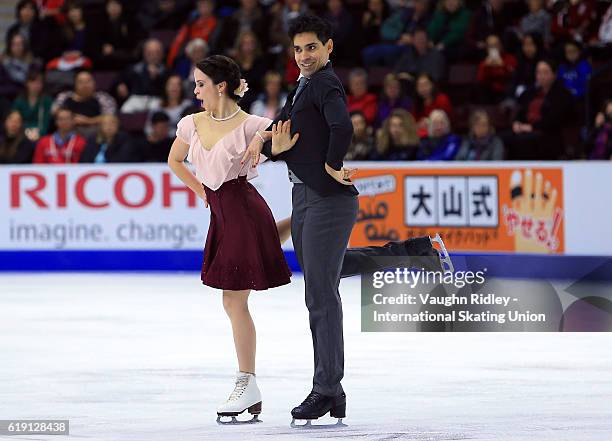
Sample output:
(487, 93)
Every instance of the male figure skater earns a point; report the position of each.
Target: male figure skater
(324, 206)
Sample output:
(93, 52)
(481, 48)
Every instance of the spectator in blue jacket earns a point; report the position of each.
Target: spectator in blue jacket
(574, 72)
(441, 144)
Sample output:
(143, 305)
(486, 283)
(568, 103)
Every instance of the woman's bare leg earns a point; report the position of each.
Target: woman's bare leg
(237, 308)
(284, 229)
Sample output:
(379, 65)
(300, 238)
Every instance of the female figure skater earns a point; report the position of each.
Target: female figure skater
(243, 246)
(243, 250)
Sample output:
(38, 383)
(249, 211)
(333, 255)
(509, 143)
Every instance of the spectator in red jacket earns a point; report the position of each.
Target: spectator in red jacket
(428, 99)
(359, 98)
(51, 8)
(575, 20)
(495, 72)
(201, 26)
(62, 147)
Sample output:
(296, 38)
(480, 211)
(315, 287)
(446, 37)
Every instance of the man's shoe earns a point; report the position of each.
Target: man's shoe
(316, 405)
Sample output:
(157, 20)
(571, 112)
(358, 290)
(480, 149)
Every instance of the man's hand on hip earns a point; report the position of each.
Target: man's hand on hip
(343, 175)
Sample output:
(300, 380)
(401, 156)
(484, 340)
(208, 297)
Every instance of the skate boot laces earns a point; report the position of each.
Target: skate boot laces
(241, 385)
(312, 398)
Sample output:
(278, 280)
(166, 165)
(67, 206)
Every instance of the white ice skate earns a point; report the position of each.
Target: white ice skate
(445, 260)
(245, 396)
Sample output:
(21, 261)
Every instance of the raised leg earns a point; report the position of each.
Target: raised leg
(364, 259)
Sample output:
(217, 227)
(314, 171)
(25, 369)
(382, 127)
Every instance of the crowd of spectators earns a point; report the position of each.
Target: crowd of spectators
(108, 80)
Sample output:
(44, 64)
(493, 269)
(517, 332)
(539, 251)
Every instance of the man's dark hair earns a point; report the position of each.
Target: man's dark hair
(552, 63)
(63, 109)
(81, 70)
(72, 4)
(574, 43)
(310, 23)
(159, 116)
(220, 68)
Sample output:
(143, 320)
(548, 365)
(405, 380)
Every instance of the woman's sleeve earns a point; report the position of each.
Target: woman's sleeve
(263, 125)
(183, 129)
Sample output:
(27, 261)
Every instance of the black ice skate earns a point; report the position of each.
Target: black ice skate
(423, 255)
(315, 406)
(443, 256)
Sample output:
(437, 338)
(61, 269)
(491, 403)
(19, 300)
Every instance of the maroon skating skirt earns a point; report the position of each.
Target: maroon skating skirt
(242, 247)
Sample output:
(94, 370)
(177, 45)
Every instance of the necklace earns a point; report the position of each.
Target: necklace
(227, 117)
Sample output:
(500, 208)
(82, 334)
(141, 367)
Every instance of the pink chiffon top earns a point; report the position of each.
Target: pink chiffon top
(222, 162)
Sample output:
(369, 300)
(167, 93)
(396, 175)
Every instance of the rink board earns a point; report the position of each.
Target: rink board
(135, 217)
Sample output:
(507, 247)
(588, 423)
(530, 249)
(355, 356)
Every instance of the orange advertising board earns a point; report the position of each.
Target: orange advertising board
(505, 209)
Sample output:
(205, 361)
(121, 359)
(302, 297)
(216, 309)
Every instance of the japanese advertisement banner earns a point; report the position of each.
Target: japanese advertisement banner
(501, 209)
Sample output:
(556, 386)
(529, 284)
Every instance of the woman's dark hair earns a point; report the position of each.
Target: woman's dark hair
(419, 102)
(577, 45)
(68, 28)
(22, 4)
(604, 107)
(9, 147)
(538, 41)
(385, 9)
(310, 23)
(165, 99)
(220, 68)
(26, 45)
(33, 75)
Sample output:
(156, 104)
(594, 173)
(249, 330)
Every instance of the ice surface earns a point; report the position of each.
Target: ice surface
(149, 357)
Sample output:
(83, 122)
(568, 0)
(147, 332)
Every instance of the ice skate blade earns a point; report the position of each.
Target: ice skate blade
(445, 260)
(308, 424)
(235, 421)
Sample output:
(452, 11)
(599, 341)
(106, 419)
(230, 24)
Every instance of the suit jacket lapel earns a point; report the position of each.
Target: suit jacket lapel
(297, 98)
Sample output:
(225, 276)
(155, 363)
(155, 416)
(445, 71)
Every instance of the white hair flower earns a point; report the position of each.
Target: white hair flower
(242, 89)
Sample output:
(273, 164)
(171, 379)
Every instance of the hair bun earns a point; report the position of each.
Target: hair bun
(220, 68)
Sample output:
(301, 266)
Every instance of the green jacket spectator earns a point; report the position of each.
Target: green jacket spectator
(449, 24)
(34, 107)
